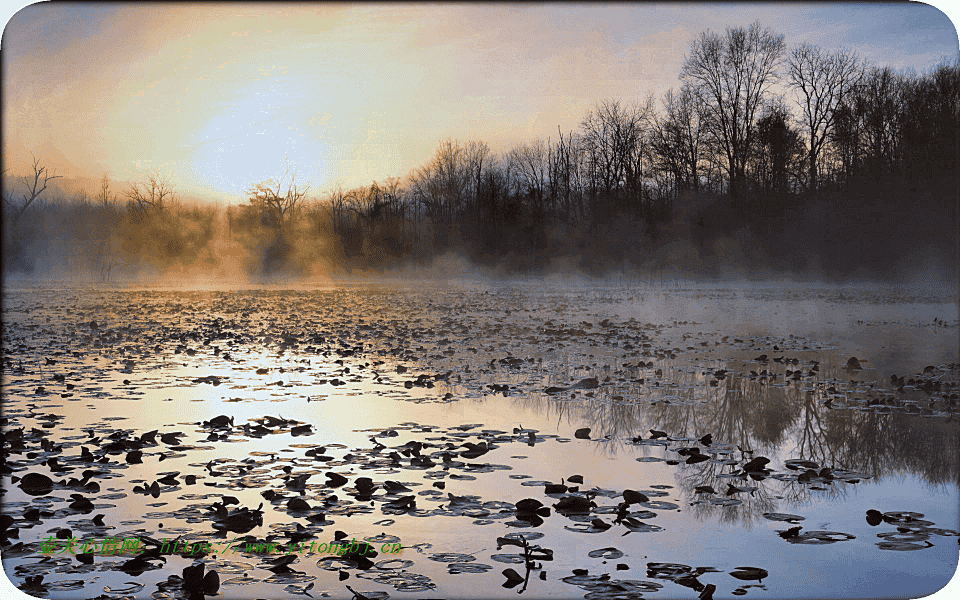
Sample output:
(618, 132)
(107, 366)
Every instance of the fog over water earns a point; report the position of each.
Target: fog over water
(561, 300)
(543, 379)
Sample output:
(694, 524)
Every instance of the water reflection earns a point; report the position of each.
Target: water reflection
(886, 434)
(269, 413)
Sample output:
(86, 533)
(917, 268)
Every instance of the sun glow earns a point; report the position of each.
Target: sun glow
(258, 135)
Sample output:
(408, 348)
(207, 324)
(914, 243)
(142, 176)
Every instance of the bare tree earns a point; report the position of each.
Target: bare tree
(883, 98)
(34, 186)
(104, 197)
(822, 79)
(731, 74)
(678, 139)
(275, 202)
(446, 186)
(151, 196)
(338, 208)
(778, 151)
(531, 164)
(477, 153)
(567, 175)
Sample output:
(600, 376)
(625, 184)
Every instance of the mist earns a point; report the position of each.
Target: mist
(851, 176)
(71, 237)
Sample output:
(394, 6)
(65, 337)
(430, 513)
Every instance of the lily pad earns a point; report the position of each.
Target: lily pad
(452, 557)
(749, 573)
(783, 517)
(607, 553)
(820, 537)
(903, 546)
(458, 568)
(36, 484)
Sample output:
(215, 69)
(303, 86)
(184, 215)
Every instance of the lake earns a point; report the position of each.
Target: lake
(556, 438)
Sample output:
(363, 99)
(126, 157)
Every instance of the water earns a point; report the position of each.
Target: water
(366, 371)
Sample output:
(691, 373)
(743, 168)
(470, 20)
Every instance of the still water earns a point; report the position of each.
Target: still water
(681, 442)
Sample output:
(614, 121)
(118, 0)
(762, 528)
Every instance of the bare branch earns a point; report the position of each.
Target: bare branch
(151, 196)
(823, 80)
(276, 203)
(731, 75)
(33, 190)
(104, 197)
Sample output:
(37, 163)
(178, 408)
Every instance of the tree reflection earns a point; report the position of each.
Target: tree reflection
(823, 416)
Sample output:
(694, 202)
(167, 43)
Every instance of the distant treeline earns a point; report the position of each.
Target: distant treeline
(851, 170)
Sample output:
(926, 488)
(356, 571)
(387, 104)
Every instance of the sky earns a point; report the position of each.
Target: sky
(218, 97)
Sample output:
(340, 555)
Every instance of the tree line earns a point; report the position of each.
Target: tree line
(764, 159)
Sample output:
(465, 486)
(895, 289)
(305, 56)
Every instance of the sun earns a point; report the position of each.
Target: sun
(257, 136)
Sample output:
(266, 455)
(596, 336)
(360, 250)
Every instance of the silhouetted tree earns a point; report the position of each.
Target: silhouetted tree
(566, 177)
(730, 75)
(152, 196)
(930, 131)
(531, 163)
(613, 138)
(778, 150)
(33, 188)
(104, 197)
(822, 79)
(446, 186)
(277, 200)
(882, 91)
(678, 139)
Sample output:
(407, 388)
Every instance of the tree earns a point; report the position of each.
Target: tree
(730, 76)
(869, 123)
(151, 196)
(104, 197)
(566, 176)
(531, 163)
(34, 186)
(275, 203)
(778, 148)
(930, 135)
(446, 186)
(845, 135)
(613, 137)
(822, 79)
(381, 215)
(678, 139)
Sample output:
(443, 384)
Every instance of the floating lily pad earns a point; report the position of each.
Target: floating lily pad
(903, 546)
(526, 535)
(638, 526)
(749, 573)
(660, 570)
(459, 568)
(584, 528)
(606, 553)
(452, 557)
(799, 463)
(36, 484)
(783, 517)
(901, 516)
(130, 588)
(659, 505)
(395, 563)
(820, 537)
(511, 559)
(901, 536)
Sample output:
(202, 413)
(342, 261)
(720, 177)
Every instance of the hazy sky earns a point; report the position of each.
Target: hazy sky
(218, 96)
